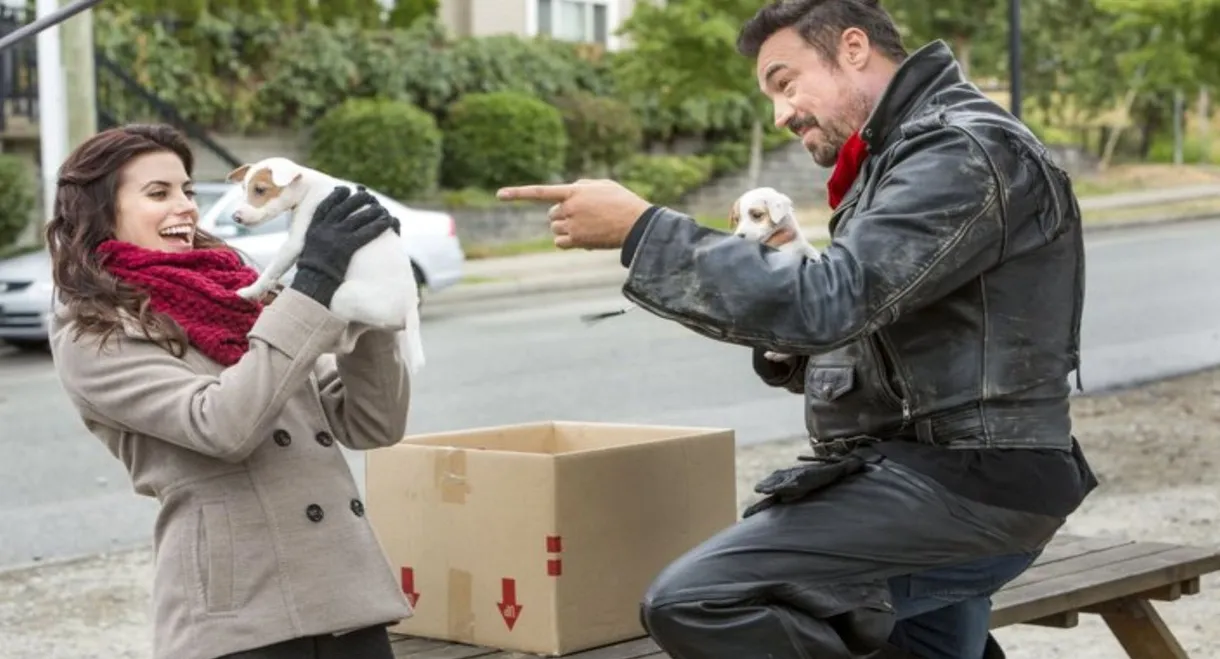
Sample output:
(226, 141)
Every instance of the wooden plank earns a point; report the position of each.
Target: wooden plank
(1074, 574)
(1085, 562)
(410, 647)
(633, 649)
(1110, 580)
(1142, 633)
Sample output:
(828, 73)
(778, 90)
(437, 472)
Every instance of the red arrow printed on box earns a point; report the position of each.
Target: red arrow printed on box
(408, 586)
(509, 608)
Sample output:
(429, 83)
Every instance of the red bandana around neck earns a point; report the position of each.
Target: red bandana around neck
(847, 167)
(198, 289)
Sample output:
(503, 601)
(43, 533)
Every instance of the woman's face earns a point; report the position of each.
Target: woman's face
(156, 204)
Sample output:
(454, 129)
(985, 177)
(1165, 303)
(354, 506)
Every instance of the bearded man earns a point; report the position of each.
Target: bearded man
(932, 344)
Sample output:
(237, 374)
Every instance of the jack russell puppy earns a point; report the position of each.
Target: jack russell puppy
(379, 289)
(763, 215)
(766, 215)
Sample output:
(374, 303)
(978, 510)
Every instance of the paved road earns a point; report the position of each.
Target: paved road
(1152, 311)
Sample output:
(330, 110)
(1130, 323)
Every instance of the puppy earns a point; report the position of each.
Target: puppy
(379, 289)
(767, 216)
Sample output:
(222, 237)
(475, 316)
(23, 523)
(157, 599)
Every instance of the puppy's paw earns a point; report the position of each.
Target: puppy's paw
(773, 356)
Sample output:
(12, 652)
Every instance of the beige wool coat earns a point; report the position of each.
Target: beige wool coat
(261, 535)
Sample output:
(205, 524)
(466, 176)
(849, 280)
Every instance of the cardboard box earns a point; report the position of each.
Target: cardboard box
(543, 538)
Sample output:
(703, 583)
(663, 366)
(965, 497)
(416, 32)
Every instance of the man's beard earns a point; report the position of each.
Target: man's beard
(836, 132)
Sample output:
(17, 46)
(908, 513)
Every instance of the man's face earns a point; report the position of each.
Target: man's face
(820, 101)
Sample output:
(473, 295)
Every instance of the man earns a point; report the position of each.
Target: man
(934, 342)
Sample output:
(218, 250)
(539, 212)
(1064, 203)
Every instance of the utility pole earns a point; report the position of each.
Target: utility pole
(1014, 57)
(78, 63)
(52, 106)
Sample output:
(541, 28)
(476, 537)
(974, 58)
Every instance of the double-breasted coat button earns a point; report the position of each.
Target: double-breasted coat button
(281, 437)
(324, 438)
(314, 512)
(358, 507)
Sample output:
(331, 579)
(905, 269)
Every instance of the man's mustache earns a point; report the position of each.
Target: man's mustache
(800, 124)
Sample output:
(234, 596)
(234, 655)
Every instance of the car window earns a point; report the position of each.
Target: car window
(226, 227)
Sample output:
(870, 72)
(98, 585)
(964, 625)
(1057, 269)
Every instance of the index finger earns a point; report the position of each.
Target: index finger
(537, 192)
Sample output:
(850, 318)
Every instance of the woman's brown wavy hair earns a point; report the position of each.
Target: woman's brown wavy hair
(85, 214)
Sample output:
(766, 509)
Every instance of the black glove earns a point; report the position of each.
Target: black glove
(789, 374)
(337, 230)
(795, 483)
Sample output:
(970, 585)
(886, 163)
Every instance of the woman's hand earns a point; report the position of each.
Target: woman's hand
(343, 223)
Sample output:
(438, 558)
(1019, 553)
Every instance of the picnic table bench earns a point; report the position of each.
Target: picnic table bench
(1116, 579)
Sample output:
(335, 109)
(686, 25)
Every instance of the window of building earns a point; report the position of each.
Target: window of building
(575, 20)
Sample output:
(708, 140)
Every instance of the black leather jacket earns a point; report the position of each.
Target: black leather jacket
(947, 308)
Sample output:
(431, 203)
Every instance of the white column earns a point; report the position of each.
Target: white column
(52, 106)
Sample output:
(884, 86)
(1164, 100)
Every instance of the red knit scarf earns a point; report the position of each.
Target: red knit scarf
(847, 167)
(197, 289)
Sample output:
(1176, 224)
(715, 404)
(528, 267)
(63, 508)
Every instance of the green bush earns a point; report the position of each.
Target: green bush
(391, 146)
(664, 179)
(502, 138)
(17, 201)
(602, 132)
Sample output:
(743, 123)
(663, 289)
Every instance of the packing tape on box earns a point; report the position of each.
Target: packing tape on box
(450, 473)
(461, 611)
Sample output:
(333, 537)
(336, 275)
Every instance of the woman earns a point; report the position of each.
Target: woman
(224, 409)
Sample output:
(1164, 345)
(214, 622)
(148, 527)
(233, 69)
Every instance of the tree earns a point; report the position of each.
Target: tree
(969, 26)
(406, 12)
(687, 49)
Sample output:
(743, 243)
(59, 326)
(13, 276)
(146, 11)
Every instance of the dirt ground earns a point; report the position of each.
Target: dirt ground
(1155, 449)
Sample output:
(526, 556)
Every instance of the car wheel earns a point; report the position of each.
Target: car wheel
(31, 345)
(419, 283)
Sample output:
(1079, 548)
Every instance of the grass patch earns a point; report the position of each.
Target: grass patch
(10, 251)
(1182, 208)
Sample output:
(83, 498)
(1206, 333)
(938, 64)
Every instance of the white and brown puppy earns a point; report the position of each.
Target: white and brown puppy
(767, 216)
(378, 290)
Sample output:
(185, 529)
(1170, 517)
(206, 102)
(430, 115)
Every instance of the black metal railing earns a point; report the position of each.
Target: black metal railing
(18, 70)
(122, 99)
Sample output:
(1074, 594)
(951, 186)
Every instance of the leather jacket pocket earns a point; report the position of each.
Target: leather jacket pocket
(214, 550)
(829, 382)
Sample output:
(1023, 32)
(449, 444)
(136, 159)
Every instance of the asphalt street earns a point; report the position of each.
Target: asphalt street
(1153, 310)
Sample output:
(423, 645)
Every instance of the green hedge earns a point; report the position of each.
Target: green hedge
(664, 179)
(17, 201)
(502, 138)
(240, 70)
(602, 133)
(391, 146)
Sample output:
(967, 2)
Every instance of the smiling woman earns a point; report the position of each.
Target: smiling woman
(229, 412)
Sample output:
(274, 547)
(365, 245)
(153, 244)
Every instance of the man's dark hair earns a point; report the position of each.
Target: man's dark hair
(821, 23)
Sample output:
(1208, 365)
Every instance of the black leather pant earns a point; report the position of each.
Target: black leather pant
(367, 643)
(811, 579)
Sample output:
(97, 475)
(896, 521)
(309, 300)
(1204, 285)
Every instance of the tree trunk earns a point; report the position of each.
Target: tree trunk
(756, 153)
(1205, 124)
(961, 47)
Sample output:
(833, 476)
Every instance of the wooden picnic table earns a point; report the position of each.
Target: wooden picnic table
(1116, 579)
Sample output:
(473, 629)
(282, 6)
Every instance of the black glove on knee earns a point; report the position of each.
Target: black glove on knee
(795, 483)
(337, 230)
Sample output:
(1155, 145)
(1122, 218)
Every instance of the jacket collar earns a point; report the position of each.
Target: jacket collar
(923, 73)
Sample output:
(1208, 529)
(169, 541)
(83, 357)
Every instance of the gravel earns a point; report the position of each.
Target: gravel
(1155, 449)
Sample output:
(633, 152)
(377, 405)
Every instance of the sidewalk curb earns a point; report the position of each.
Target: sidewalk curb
(615, 276)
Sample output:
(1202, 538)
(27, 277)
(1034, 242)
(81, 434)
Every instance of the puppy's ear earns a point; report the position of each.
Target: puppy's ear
(779, 208)
(734, 215)
(238, 175)
(284, 172)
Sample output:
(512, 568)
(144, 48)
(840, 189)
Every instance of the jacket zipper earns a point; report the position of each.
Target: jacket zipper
(884, 354)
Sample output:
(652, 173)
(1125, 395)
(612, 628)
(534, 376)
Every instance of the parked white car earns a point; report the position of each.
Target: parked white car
(430, 239)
